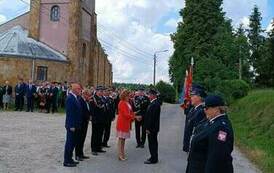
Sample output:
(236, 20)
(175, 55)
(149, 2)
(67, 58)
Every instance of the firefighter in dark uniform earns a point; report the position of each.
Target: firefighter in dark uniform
(110, 116)
(212, 141)
(195, 115)
(141, 103)
(98, 121)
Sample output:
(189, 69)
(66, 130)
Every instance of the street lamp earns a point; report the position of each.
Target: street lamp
(155, 58)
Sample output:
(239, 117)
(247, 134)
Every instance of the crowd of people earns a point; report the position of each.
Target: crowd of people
(208, 134)
(100, 106)
(45, 96)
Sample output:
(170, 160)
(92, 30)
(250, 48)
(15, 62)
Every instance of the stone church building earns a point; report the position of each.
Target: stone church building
(55, 41)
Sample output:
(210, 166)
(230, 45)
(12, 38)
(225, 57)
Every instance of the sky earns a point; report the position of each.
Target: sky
(131, 31)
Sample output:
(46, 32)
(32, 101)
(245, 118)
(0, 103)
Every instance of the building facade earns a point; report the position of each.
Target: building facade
(63, 29)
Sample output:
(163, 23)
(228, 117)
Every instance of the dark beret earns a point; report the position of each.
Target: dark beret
(198, 92)
(214, 101)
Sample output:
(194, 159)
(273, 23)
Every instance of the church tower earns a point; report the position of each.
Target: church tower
(69, 27)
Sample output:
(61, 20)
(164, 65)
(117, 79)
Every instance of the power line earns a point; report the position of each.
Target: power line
(129, 50)
(121, 51)
(128, 44)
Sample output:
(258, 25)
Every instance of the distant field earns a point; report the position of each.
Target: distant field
(253, 122)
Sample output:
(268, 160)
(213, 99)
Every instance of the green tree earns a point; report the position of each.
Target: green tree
(206, 36)
(167, 91)
(255, 39)
(243, 54)
(264, 69)
(271, 54)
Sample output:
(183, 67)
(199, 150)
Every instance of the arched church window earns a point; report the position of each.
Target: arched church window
(55, 13)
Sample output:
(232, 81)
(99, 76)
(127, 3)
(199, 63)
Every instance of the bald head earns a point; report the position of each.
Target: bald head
(76, 89)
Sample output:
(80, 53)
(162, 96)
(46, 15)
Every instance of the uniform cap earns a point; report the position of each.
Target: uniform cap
(214, 101)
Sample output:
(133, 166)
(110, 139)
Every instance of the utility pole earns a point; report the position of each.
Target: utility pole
(154, 65)
(154, 69)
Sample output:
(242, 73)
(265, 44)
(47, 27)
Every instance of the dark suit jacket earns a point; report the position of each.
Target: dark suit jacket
(20, 90)
(87, 112)
(74, 111)
(7, 91)
(152, 117)
(30, 91)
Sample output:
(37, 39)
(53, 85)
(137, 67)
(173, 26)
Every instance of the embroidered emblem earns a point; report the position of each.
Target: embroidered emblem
(222, 136)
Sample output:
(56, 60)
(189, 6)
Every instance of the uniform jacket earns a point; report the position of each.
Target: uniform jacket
(211, 147)
(152, 117)
(193, 118)
(110, 108)
(141, 105)
(74, 117)
(98, 106)
(125, 117)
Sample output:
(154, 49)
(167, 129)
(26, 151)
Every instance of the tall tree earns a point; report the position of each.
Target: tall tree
(243, 54)
(207, 36)
(255, 38)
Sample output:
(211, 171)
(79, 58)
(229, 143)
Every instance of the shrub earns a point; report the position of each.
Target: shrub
(168, 93)
(231, 90)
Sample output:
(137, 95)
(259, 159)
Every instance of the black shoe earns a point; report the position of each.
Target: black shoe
(75, 162)
(69, 165)
(101, 151)
(79, 158)
(106, 146)
(85, 157)
(142, 146)
(150, 162)
(138, 146)
(94, 153)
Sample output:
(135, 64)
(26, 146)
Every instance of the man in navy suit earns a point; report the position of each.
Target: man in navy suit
(87, 112)
(74, 119)
(19, 95)
(30, 94)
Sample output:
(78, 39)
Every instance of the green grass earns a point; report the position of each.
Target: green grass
(12, 108)
(253, 122)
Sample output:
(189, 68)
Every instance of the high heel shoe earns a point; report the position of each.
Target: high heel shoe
(122, 158)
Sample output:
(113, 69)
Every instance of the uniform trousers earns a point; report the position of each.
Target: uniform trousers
(96, 137)
(140, 138)
(153, 146)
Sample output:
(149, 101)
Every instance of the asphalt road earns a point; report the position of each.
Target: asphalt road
(34, 143)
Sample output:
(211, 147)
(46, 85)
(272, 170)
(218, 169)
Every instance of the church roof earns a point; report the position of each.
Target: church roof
(16, 42)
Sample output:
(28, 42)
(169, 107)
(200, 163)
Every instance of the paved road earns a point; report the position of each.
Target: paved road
(33, 143)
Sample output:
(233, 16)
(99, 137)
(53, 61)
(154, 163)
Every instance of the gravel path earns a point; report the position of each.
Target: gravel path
(34, 143)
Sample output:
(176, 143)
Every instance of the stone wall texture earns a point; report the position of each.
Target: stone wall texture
(13, 68)
(87, 61)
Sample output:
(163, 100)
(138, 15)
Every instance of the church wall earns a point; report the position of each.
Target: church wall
(22, 20)
(12, 68)
(54, 33)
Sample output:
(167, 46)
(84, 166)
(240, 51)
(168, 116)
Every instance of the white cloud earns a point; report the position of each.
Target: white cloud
(2, 19)
(236, 9)
(245, 22)
(133, 23)
(270, 26)
(172, 23)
